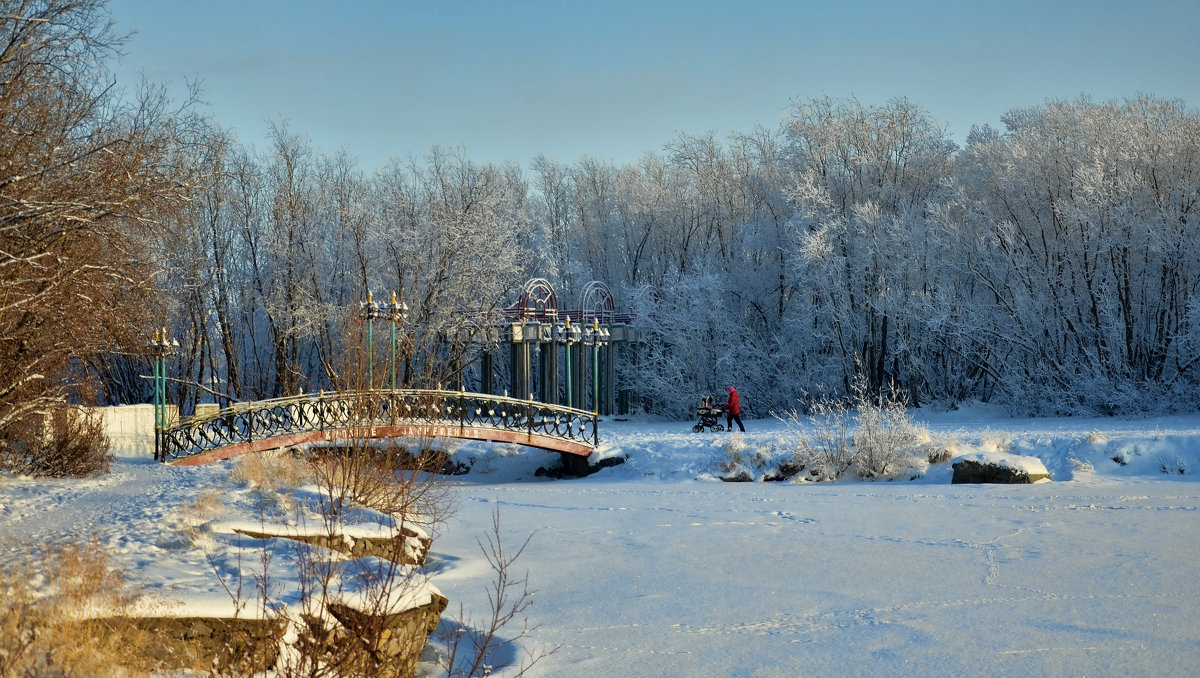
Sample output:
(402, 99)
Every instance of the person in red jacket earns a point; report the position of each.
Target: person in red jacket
(733, 411)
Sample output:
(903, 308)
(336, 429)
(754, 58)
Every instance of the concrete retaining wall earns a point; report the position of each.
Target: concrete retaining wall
(130, 428)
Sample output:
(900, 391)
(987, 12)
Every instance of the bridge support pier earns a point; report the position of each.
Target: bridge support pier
(486, 369)
(519, 370)
(548, 369)
(574, 464)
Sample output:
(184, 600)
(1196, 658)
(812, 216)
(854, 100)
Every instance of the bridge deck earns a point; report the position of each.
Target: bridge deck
(328, 417)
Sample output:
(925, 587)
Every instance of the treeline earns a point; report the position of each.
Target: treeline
(1051, 266)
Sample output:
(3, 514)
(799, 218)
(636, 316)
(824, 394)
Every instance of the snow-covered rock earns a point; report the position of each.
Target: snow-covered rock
(999, 467)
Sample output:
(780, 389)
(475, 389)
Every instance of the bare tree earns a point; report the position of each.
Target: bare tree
(86, 179)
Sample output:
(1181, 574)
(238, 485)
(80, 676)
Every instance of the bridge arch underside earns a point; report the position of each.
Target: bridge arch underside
(573, 453)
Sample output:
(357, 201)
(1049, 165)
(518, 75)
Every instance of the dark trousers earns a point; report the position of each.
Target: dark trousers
(730, 417)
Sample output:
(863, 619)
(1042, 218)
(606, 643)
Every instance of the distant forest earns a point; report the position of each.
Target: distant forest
(1052, 266)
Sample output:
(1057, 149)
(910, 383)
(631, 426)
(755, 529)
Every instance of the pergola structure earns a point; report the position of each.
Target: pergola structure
(556, 356)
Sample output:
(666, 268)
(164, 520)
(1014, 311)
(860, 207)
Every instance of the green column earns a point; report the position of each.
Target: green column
(570, 397)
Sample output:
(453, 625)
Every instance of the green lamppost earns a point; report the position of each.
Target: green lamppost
(398, 312)
(568, 335)
(370, 312)
(161, 349)
(596, 336)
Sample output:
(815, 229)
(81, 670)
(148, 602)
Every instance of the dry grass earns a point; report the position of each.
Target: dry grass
(195, 513)
(274, 476)
(271, 472)
(49, 616)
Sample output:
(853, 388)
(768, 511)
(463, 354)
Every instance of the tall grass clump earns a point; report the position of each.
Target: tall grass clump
(51, 615)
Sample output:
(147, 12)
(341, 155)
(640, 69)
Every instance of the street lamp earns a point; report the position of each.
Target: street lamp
(370, 312)
(568, 335)
(596, 336)
(161, 348)
(398, 312)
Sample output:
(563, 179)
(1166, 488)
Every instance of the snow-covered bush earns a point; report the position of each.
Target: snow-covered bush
(1173, 466)
(762, 458)
(824, 448)
(873, 435)
(737, 458)
(886, 441)
(1080, 466)
(731, 457)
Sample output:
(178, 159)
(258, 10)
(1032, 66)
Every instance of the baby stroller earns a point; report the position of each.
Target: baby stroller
(710, 415)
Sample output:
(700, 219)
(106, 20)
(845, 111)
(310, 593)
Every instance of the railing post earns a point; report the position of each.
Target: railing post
(529, 414)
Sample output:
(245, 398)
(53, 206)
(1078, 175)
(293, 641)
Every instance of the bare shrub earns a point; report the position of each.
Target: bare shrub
(345, 624)
(349, 610)
(384, 476)
(67, 442)
(472, 645)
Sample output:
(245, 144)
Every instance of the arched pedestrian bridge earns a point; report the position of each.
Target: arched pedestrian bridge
(329, 417)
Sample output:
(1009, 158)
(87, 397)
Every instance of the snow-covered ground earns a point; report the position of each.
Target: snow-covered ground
(656, 568)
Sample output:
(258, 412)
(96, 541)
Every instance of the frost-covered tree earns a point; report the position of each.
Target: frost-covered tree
(455, 235)
(864, 180)
(1086, 212)
(1048, 265)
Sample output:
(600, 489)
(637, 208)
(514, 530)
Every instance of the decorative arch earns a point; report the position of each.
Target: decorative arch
(538, 301)
(597, 302)
(556, 354)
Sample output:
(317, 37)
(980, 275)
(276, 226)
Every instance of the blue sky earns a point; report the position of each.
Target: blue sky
(613, 80)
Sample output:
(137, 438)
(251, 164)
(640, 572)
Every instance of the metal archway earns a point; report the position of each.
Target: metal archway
(556, 355)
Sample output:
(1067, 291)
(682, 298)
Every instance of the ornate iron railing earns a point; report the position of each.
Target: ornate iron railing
(351, 411)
